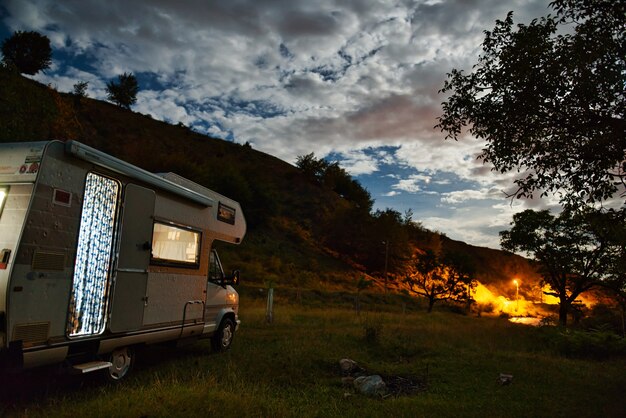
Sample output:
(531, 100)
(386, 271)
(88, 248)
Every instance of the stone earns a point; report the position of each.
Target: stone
(370, 385)
(505, 379)
(347, 365)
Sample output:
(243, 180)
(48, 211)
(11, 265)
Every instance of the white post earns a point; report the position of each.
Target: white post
(269, 311)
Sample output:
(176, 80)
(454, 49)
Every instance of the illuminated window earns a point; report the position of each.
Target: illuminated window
(175, 245)
(4, 192)
(90, 283)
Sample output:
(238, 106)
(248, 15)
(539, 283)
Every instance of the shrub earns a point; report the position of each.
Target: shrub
(373, 330)
(485, 307)
(598, 344)
(456, 308)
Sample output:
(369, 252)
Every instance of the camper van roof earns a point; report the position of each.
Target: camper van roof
(94, 156)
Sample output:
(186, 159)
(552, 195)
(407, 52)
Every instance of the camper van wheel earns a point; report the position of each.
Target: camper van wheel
(223, 337)
(122, 360)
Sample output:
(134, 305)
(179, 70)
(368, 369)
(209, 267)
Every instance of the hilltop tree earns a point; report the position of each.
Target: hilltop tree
(575, 250)
(311, 167)
(80, 89)
(124, 91)
(30, 52)
(549, 100)
(335, 178)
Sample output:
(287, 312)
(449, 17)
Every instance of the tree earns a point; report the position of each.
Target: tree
(80, 89)
(463, 269)
(616, 281)
(549, 100)
(124, 92)
(30, 52)
(431, 278)
(311, 167)
(335, 178)
(574, 250)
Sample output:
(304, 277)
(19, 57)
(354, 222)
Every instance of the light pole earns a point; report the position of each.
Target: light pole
(516, 282)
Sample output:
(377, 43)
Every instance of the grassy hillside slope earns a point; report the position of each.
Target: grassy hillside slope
(283, 207)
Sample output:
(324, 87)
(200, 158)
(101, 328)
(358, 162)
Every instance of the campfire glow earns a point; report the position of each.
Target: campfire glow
(517, 306)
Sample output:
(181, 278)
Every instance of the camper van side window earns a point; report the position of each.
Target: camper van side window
(175, 245)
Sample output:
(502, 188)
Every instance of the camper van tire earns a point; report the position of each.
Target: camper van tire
(223, 337)
(122, 360)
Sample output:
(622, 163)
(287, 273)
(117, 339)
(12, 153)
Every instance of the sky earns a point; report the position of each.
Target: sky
(354, 81)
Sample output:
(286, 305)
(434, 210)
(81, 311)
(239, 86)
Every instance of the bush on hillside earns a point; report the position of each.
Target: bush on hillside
(598, 344)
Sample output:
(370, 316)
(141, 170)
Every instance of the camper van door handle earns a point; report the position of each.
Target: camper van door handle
(146, 246)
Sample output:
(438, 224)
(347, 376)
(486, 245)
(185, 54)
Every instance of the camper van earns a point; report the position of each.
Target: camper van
(99, 257)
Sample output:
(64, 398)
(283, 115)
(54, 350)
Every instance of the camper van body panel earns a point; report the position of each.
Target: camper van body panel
(220, 301)
(226, 222)
(19, 167)
(39, 285)
(12, 219)
(172, 297)
(177, 292)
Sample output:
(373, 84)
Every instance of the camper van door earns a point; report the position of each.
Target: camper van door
(129, 294)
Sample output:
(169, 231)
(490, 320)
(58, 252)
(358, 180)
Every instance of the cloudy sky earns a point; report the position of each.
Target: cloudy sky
(355, 81)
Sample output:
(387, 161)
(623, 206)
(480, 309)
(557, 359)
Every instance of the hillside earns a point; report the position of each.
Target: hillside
(293, 237)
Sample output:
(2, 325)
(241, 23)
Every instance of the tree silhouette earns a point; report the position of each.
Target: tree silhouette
(80, 89)
(311, 167)
(549, 100)
(432, 277)
(30, 52)
(124, 91)
(332, 176)
(576, 250)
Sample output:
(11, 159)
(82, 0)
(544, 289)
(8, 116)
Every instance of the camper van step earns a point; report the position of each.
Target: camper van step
(92, 366)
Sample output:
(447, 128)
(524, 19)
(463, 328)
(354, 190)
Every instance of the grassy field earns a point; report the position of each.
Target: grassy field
(290, 368)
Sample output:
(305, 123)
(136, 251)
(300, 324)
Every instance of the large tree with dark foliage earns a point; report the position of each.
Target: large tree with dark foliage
(30, 52)
(438, 275)
(124, 91)
(575, 251)
(549, 99)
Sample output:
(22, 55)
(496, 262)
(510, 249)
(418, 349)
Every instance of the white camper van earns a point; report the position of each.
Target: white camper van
(98, 257)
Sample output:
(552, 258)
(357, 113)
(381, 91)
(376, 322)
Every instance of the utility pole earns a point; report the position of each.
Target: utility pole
(386, 260)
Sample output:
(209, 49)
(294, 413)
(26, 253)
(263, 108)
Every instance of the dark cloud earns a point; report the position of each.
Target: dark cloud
(397, 116)
(296, 23)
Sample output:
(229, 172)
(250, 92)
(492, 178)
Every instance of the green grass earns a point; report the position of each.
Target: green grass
(290, 368)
